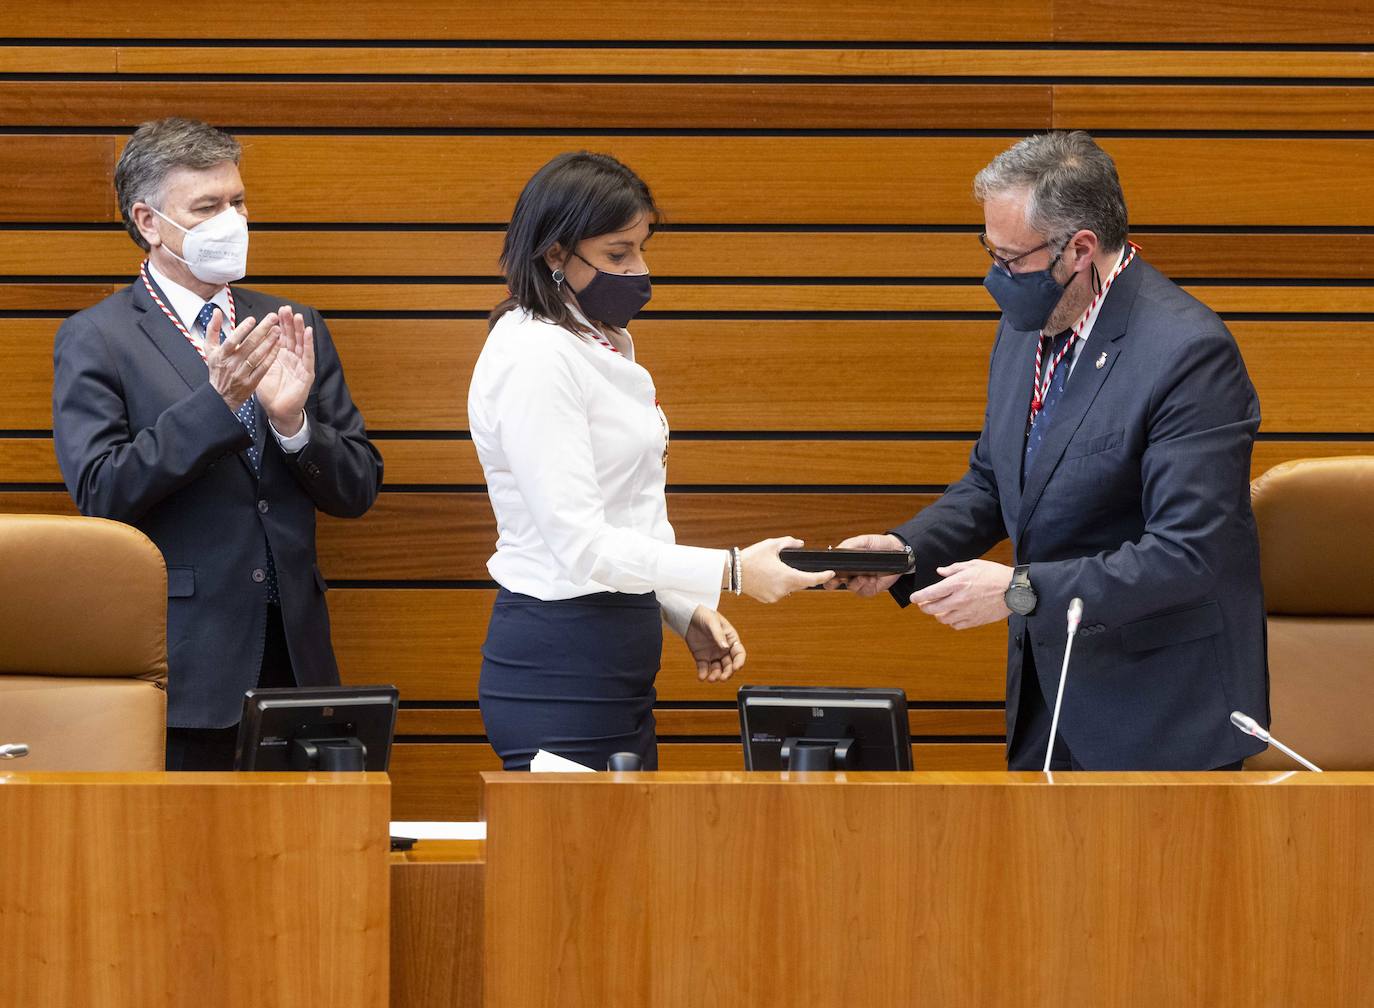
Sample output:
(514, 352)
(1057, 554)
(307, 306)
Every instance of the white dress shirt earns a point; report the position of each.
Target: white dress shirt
(571, 442)
(187, 305)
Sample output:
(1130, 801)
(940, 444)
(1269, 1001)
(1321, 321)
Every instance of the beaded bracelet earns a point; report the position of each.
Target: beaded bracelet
(736, 571)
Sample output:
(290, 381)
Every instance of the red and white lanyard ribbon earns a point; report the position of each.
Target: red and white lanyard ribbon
(1040, 389)
(604, 341)
(172, 316)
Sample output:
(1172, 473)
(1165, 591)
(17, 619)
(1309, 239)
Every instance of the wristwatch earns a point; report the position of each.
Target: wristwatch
(1020, 596)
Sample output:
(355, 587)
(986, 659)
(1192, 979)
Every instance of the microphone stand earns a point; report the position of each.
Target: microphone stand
(1250, 726)
(1075, 617)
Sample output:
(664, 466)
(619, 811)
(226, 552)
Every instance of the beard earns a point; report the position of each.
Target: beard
(1077, 297)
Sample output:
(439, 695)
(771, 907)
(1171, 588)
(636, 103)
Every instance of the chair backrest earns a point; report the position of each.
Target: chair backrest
(1316, 533)
(83, 644)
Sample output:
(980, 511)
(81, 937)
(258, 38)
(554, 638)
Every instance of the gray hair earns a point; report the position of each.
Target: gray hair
(154, 150)
(1072, 182)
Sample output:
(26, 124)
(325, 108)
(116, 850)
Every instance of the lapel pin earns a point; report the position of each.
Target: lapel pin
(1101, 360)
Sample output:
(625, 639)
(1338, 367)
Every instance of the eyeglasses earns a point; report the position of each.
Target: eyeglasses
(1005, 264)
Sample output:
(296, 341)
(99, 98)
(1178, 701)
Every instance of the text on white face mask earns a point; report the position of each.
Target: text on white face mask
(215, 250)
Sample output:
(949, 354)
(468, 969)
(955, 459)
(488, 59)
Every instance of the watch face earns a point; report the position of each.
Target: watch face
(1020, 599)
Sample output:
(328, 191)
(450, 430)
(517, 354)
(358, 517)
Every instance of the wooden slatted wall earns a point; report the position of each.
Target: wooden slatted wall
(814, 160)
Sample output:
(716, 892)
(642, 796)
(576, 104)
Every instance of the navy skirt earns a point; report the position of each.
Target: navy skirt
(573, 677)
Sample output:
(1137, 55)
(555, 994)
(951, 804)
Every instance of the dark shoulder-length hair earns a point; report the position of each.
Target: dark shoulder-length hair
(574, 197)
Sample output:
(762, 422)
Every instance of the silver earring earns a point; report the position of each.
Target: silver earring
(558, 278)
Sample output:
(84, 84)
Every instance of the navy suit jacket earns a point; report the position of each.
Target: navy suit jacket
(1137, 501)
(143, 438)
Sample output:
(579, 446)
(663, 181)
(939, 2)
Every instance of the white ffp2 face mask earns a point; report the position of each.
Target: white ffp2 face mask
(216, 250)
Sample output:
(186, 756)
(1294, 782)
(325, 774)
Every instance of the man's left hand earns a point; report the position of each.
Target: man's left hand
(283, 390)
(970, 594)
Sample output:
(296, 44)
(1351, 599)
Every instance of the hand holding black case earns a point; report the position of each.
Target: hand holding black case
(850, 561)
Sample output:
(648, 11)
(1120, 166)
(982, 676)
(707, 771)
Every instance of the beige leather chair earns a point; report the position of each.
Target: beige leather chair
(83, 644)
(1316, 533)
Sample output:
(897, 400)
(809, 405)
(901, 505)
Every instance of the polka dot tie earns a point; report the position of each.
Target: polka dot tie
(1056, 392)
(247, 415)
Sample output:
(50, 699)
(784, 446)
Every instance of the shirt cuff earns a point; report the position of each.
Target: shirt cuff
(677, 609)
(296, 441)
(694, 573)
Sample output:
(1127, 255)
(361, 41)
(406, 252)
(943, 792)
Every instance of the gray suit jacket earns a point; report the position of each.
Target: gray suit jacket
(143, 438)
(1138, 501)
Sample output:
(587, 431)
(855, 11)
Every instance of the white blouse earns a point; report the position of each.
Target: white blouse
(572, 445)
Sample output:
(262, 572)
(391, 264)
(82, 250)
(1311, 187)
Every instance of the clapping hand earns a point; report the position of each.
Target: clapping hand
(286, 384)
(239, 363)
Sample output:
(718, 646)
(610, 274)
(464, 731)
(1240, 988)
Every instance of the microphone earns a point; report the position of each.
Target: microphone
(625, 761)
(1075, 617)
(13, 750)
(1250, 726)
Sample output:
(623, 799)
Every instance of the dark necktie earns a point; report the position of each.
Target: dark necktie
(247, 415)
(1040, 424)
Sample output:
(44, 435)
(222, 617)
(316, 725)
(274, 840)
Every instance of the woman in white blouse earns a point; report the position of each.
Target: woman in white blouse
(574, 448)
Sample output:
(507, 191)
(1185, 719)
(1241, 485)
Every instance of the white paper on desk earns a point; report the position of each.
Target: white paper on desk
(440, 830)
(547, 762)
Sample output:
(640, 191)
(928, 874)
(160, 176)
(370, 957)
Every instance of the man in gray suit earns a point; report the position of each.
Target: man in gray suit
(1115, 454)
(217, 421)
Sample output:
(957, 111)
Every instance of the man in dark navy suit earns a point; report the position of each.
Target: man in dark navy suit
(217, 421)
(1115, 454)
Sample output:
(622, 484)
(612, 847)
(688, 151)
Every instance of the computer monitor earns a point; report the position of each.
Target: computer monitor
(824, 728)
(317, 728)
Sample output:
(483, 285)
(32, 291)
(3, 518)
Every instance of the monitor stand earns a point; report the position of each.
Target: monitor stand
(345, 754)
(817, 753)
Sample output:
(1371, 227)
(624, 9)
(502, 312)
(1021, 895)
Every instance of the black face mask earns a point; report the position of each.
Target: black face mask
(614, 298)
(1026, 299)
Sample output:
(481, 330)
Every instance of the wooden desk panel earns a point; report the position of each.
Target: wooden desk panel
(194, 889)
(940, 889)
(436, 933)
(442, 780)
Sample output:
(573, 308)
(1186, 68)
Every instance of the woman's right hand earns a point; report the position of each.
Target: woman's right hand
(767, 579)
